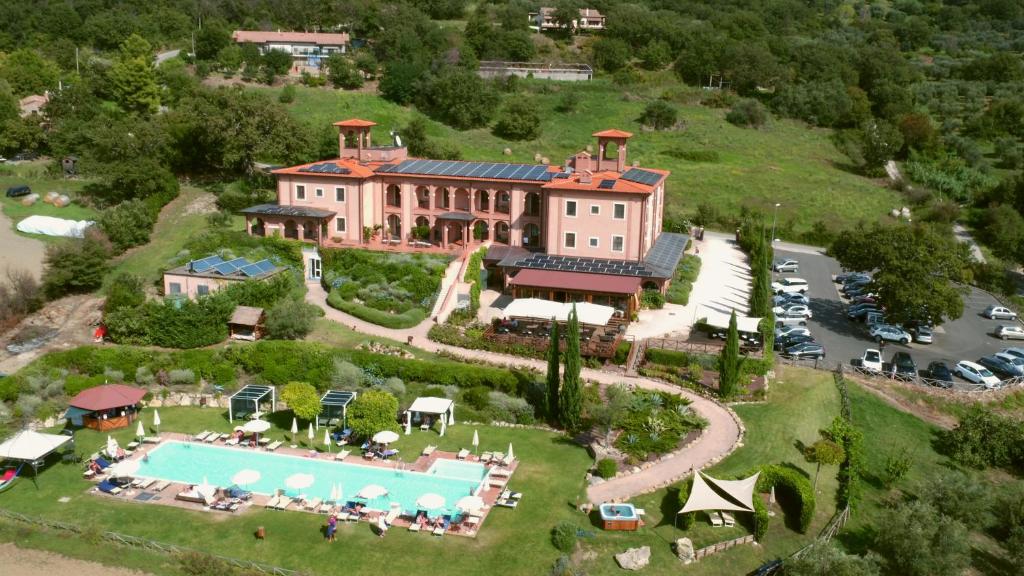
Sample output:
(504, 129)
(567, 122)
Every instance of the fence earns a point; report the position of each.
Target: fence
(146, 544)
(721, 546)
(955, 385)
(539, 70)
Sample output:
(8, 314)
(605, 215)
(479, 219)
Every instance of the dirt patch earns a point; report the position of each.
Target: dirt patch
(74, 319)
(29, 562)
(20, 252)
(204, 203)
(920, 409)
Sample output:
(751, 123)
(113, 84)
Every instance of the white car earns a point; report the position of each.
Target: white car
(976, 373)
(786, 265)
(790, 286)
(1018, 352)
(891, 333)
(871, 360)
(792, 311)
(999, 313)
(791, 331)
(1009, 332)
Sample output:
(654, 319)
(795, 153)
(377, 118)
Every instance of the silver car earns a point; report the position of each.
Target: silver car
(1009, 332)
(786, 265)
(999, 313)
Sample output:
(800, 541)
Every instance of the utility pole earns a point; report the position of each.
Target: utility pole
(775, 216)
(77, 70)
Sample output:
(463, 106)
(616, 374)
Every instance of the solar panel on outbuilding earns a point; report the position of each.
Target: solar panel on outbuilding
(205, 264)
(641, 176)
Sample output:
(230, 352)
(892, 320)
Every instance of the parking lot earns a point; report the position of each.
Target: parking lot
(967, 338)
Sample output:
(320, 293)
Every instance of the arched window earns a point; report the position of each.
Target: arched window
(394, 196)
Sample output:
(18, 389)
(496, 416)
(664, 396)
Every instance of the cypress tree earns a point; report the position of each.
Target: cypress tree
(553, 365)
(729, 361)
(570, 401)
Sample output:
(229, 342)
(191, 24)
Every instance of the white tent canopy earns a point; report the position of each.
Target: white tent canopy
(29, 446)
(594, 314)
(442, 407)
(50, 226)
(711, 494)
(743, 323)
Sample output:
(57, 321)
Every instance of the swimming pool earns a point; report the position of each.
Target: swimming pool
(190, 463)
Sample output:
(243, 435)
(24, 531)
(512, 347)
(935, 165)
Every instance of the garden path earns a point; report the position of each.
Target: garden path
(722, 435)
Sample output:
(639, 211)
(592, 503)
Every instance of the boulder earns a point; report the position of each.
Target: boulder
(507, 151)
(684, 550)
(634, 558)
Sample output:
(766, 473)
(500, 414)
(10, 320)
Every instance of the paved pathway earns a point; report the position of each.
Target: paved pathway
(719, 439)
(963, 235)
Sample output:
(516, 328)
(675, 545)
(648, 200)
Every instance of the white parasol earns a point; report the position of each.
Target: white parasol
(371, 491)
(206, 489)
(246, 476)
(156, 421)
(509, 456)
(256, 426)
(299, 481)
(311, 434)
(385, 437)
(139, 430)
(476, 439)
(126, 468)
(470, 504)
(295, 427)
(111, 447)
(334, 492)
(430, 501)
(327, 439)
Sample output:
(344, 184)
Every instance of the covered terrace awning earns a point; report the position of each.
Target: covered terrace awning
(743, 323)
(31, 446)
(442, 407)
(295, 211)
(593, 314)
(247, 400)
(577, 281)
(711, 494)
(334, 404)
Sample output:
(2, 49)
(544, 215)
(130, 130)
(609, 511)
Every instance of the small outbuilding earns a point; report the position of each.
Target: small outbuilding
(105, 407)
(247, 323)
(426, 406)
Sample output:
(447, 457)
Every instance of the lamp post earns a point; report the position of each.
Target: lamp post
(775, 216)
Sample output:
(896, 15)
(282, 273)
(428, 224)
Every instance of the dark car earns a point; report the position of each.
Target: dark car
(19, 190)
(789, 341)
(855, 284)
(903, 366)
(860, 311)
(844, 277)
(941, 373)
(806, 350)
(864, 299)
(998, 366)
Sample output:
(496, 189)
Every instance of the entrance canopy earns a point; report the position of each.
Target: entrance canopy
(334, 405)
(31, 446)
(743, 323)
(247, 400)
(442, 407)
(711, 494)
(594, 314)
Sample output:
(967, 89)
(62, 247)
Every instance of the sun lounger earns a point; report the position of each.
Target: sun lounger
(109, 487)
(88, 474)
(429, 450)
(504, 503)
(326, 508)
(418, 521)
(231, 442)
(195, 497)
(313, 504)
(716, 520)
(264, 441)
(202, 435)
(151, 440)
(274, 446)
(486, 457)
(211, 438)
(727, 518)
(497, 457)
(283, 502)
(393, 513)
(132, 445)
(342, 455)
(501, 473)
(445, 524)
(145, 483)
(463, 454)
(161, 486)
(272, 503)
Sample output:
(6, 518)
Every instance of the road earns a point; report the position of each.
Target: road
(165, 56)
(966, 338)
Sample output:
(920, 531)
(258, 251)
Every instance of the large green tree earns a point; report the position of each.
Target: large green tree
(918, 268)
(916, 540)
(458, 97)
(342, 73)
(28, 73)
(133, 77)
(303, 399)
(371, 412)
(553, 376)
(824, 451)
(75, 267)
(827, 559)
(729, 361)
(570, 399)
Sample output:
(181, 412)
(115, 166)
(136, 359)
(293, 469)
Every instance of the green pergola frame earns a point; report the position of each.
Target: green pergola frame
(334, 404)
(250, 396)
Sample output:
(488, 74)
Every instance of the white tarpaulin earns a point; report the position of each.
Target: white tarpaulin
(743, 323)
(51, 226)
(29, 445)
(594, 314)
(735, 495)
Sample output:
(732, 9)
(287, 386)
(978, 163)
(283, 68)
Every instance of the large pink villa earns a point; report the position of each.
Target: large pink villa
(555, 231)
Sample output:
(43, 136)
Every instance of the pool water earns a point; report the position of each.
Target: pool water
(618, 512)
(190, 463)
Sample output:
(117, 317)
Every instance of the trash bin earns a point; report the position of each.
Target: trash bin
(261, 533)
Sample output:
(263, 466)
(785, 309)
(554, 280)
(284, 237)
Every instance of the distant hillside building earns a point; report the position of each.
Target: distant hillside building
(201, 277)
(590, 19)
(307, 48)
(32, 104)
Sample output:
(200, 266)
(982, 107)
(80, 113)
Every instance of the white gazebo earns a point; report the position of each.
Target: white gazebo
(31, 447)
(712, 494)
(442, 407)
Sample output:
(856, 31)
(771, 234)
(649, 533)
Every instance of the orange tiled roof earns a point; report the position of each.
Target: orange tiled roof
(355, 123)
(355, 169)
(613, 133)
(319, 38)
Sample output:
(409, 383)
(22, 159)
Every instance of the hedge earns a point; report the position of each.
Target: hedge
(407, 319)
(686, 520)
(794, 483)
(622, 352)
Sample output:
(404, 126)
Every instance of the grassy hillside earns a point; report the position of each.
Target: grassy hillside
(785, 162)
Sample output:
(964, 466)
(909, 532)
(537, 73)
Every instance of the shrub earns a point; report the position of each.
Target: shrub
(371, 412)
(346, 375)
(519, 120)
(652, 299)
(667, 357)
(748, 113)
(622, 352)
(985, 438)
(607, 468)
(695, 372)
(477, 397)
(287, 95)
(128, 224)
(761, 519)
(126, 291)
(394, 386)
(75, 383)
(291, 319)
(75, 266)
(659, 115)
(182, 376)
(407, 319)
(303, 399)
(686, 520)
(113, 375)
(897, 466)
(505, 408)
(611, 54)
(793, 482)
(144, 376)
(563, 536)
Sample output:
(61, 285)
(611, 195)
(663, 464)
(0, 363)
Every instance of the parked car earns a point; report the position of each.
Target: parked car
(792, 311)
(791, 331)
(781, 321)
(871, 360)
(859, 311)
(790, 341)
(24, 156)
(903, 366)
(796, 298)
(922, 334)
(976, 373)
(998, 366)
(1016, 362)
(790, 286)
(858, 291)
(890, 333)
(786, 265)
(806, 350)
(1018, 352)
(18, 190)
(1009, 332)
(874, 318)
(865, 299)
(855, 284)
(994, 312)
(940, 372)
(844, 277)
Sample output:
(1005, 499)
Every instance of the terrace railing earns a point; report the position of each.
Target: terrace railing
(954, 386)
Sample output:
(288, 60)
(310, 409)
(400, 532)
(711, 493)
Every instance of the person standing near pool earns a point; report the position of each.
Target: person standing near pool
(382, 526)
(332, 527)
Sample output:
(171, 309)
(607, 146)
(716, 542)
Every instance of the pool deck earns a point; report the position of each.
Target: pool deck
(498, 478)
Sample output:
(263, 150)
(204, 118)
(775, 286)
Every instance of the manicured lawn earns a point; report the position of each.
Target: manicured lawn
(785, 162)
(35, 176)
(337, 335)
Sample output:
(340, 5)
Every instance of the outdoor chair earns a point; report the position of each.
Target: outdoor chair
(274, 446)
(201, 436)
(727, 518)
(486, 457)
(429, 450)
(151, 440)
(716, 520)
(109, 487)
(463, 454)
(446, 522)
(313, 504)
(393, 513)
(342, 455)
(161, 486)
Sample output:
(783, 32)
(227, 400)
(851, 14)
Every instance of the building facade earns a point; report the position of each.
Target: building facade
(589, 19)
(593, 209)
(207, 275)
(307, 49)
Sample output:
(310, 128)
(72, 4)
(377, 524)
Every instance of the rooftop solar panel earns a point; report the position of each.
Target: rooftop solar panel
(225, 268)
(641, 176)
(325, 168)
(606, 184)
(251, 270)
(490, 170)
(205, 264)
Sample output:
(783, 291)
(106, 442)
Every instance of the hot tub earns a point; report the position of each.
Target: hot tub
(619, 517)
